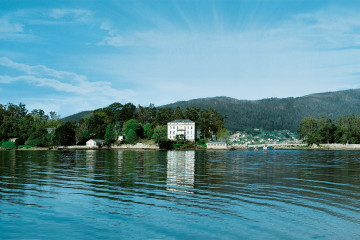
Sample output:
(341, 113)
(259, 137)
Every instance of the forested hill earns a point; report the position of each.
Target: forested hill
(76, 117)
(278, 113)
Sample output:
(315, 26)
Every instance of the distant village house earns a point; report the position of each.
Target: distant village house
(217, 145)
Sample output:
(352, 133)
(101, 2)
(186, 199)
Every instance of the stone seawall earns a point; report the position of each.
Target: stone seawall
(333, 146)
(288, 146)
(337, 146)
(136, 146)
(81, 147)
(238, 146)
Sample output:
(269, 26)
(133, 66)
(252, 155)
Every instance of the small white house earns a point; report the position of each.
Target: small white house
(95, 143)
(12, 139)
(121, 138)
(183, 128)
(217, 145)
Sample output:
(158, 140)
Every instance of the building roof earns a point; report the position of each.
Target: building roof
(97, 140)
(182, 121)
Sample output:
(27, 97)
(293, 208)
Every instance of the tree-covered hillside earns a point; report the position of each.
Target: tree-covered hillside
(78, 116)
(275, 113)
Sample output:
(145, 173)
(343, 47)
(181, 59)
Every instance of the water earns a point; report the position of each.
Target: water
(179, 195)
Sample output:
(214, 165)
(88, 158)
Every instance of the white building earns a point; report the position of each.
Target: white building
(217, 145)
(95, 143)
(183, 128)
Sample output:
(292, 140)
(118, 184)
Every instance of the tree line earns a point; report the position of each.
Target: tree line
(36, 128)
(346, 129)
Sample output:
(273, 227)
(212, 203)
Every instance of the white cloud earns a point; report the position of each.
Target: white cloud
(113, 39)
(66, 82)
(40, 70)
(6, 27)
(12, 30)
(327, 28)
(80, 15)
(18, 25)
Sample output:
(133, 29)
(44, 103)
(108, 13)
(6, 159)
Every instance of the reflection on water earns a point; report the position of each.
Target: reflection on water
(90, 162)
(179, 194)
(180, 171)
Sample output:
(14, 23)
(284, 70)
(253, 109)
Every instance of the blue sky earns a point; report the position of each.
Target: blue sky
(70, 56)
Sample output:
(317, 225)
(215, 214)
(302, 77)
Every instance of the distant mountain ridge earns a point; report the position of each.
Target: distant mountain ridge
(278, 113)
(273, 113)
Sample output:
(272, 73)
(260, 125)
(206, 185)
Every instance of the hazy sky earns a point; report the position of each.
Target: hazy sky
(70, 56)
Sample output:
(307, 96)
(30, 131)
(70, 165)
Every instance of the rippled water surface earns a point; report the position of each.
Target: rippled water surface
(179, 195)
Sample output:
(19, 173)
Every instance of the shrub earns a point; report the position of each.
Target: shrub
(202, 141)
(166, 145)
(188, 145)
(24, 146)
(8, 144)
(19, 141)
(38, 142)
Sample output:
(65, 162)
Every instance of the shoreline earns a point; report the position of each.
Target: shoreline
(141, 146)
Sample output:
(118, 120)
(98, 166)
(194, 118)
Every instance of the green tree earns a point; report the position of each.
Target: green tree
(128, 112)
(348, 129)
(163, 116)
(82, 134)
(65, 134)
(96, 125)
(146, 114)
(210, 122)
(192, 114)
(223, 135)
(178, 114)
(9, 127)
(160, 134)
(133, 124)
(26, 127)
(326, 130)
(18, 111)
(114, 112)
(37, 138)
(54, 121)
(110, 135)
(39, 113)
(148, 130)
(307, 128)
(131, 136)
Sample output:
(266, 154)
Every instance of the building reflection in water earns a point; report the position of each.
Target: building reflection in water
(90, 162)
(180, 171)
(120, 158)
